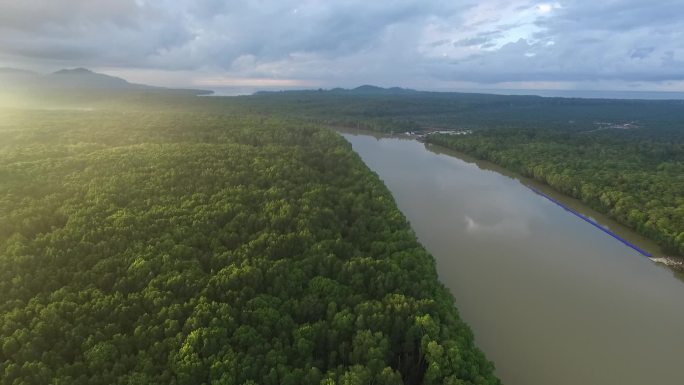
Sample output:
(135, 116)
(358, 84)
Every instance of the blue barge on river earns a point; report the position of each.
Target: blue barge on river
(593, 223)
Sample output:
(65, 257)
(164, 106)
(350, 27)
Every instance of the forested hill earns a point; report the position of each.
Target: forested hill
(77, 86)
(199, 248)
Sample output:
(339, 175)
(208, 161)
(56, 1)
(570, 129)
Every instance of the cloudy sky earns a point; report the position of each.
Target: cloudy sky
(425, 44)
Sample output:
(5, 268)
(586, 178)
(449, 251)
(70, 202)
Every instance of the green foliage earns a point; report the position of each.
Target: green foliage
(635, 176)
(405, 110)
(190, 247)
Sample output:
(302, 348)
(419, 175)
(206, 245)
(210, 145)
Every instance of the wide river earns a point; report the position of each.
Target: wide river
(551, 299)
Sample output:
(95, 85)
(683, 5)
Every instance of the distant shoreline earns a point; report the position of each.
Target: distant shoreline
(570, 94)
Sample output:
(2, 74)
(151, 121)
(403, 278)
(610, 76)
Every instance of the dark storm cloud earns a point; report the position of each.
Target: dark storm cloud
(419, 42)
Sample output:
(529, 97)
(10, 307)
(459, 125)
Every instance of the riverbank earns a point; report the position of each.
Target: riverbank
(675, 263)
(543, 291)
(657, 255)
(640, 191)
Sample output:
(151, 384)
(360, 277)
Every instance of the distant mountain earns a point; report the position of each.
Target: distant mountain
(81, 78)
(366, 88)
(75, 79)
(375, 90)
(76, 71)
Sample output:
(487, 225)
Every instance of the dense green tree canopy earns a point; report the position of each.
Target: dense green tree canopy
(624, 158)
(181, 247)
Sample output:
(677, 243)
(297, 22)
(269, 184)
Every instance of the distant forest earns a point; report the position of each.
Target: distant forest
(624, 158)
(634, 176)
(399, 110)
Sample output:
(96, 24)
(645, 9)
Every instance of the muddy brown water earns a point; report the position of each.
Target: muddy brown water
(551, 299)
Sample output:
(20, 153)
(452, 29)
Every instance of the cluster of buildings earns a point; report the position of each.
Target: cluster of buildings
(422, 134)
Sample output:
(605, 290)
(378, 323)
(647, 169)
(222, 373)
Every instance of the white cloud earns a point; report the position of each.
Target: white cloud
(547, 8)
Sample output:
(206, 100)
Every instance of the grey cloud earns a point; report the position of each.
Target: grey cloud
(343, 42)
(440, 42)
(620, 16)
(54, 16)
(629, 41)
(293, 27)
(481, 39)
(472, 41)
(641, 52)
(83, 32)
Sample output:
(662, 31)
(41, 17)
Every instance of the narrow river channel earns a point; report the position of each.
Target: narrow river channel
(551, 299)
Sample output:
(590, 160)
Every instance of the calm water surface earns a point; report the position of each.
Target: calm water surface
(551, 300)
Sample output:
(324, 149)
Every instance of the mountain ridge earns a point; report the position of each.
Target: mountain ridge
(74, 79)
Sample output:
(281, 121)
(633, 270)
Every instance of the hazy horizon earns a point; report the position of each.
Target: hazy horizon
(241, 90)
(547, 46)
(584, 94)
